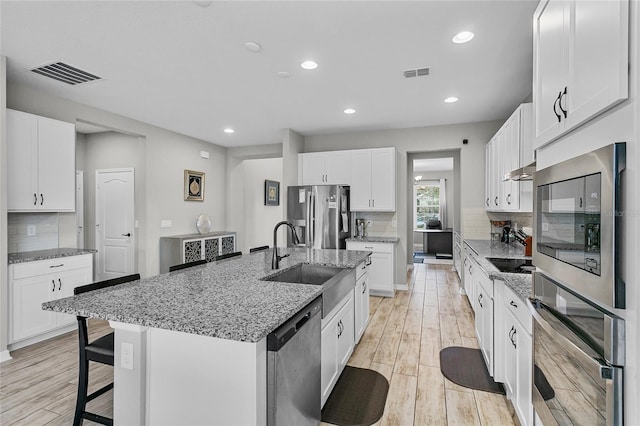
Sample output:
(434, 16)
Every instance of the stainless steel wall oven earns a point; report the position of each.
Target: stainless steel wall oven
(579, 350)
(578, 224)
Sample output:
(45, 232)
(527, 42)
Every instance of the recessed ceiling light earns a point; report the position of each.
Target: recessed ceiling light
(309, 65)
(349, 111)
(451, 99)
(252, 46)
(462, 37)
(283, 74)
(229, 130)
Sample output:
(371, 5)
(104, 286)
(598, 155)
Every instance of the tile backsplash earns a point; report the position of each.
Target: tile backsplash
(45, 236)
(382, 224)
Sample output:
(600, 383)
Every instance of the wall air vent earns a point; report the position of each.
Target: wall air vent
(416, 73)
(65, 73)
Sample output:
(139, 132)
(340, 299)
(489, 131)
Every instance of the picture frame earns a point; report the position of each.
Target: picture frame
(271, 193)
(193, 185)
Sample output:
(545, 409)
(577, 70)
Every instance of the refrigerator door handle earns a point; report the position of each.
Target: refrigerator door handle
(307, 237)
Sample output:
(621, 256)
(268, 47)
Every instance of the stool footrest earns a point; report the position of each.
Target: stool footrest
(99, 392)
(97, 418)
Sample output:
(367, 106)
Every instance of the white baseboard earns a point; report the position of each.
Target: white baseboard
(5, 356)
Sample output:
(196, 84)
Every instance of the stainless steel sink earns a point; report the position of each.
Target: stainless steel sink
(336, 282)
(306, 274)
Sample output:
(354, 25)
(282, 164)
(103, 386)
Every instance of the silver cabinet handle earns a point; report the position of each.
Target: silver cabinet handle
(128, 234)
(35, 199)
(54, 285)
(496, 201)
(41, 199)
(514, 304)
(509, 199)
(364, 286)
(56, 266)
(373, 202)
(59, 284)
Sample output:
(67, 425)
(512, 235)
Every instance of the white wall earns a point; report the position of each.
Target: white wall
(4, 307)
(414, 140)
(260, 219)
(620, 124)
(168, 154)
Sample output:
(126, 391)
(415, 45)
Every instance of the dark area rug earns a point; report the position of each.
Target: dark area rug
(466, 367)
(542, 384)
(357, 399)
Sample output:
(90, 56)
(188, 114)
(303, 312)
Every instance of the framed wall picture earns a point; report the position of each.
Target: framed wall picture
(193, 185)
(271, 193)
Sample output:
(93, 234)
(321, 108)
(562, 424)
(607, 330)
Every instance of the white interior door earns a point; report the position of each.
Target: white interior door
(80, 209)
(115, 232)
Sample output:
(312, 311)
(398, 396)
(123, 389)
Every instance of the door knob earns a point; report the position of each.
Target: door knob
(128, 234)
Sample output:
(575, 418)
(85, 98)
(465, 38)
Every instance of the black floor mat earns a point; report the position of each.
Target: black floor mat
(466, 367)
(357, 399)
(542, 384)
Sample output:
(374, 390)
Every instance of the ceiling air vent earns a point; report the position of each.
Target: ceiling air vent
(65, 73)
(416, 73)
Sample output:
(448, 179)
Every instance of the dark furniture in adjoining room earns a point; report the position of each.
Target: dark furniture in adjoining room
(437, 241)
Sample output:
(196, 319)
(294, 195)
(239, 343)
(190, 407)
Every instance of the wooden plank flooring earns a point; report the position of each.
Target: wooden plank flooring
(402, 342)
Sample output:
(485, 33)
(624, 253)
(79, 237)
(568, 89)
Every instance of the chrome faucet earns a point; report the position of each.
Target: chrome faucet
(275, 260)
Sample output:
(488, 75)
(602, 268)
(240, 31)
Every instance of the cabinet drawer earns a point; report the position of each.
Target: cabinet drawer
(518, 308)
(361, 269)
(41, 267)
(374, 247)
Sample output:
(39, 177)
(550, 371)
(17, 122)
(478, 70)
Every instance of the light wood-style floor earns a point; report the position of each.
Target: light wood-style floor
(403, 342)
(403, 339)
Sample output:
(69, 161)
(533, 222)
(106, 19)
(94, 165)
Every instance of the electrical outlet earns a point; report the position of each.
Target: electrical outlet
(545, 226)
(126, 356)
(394, 223)
(31, 230)
(166, 223)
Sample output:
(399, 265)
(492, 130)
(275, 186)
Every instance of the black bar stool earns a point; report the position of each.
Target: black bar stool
(228, 255)
(252, 250)
(187, 265)
(100, 350)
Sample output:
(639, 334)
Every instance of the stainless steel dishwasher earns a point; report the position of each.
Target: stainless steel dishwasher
(293, 369)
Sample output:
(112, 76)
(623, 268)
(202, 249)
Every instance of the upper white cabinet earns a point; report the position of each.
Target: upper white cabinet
(373, 180)
(580, 63)
(40, 163)
(509, 149)
(325, 168)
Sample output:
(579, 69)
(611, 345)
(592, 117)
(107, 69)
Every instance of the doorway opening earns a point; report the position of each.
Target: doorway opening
(112, 165)
(433, 204)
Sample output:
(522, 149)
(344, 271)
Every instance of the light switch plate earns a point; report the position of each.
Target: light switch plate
(31, 230)
(166, 223)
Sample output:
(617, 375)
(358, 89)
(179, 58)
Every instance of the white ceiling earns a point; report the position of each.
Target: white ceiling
(433, 165)
(183, 67)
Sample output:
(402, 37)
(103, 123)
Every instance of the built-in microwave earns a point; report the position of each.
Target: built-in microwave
(577, 224)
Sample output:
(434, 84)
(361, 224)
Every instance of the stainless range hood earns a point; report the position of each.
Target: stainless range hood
(523, 173)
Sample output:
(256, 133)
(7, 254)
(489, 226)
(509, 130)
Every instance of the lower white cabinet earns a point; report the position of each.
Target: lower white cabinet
(33, 283)
(514, 351)
(337, 344)
(457, 254)
(381, 270)
(361, 299)
(484, 315)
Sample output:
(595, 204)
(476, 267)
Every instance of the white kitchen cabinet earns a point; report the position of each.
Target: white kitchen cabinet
(484, 315)
(580, 63)
(513, 360)
(373, 179)
(325, 168)
(382, 267)
(40, 163)
(33, 283)
(361, 299)
(457, 254)
(337, 344)
(509, 149)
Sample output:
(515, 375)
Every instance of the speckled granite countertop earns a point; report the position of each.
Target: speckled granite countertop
(519, 283)
(224, 299)
(373, 239)
(30, 256)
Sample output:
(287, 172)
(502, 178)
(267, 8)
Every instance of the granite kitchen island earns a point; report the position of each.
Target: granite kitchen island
(190, 346)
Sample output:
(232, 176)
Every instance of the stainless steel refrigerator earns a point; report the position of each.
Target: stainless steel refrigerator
(320, 215)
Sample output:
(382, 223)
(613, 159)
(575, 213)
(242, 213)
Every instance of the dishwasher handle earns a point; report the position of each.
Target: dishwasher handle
(278, 338)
